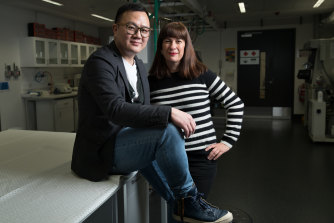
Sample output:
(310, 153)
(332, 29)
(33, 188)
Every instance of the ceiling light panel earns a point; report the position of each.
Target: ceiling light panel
(53, 2)
(102, 17)
(318, 3)
(242, 7)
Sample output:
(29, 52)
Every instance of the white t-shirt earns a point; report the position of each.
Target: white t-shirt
(131, 73)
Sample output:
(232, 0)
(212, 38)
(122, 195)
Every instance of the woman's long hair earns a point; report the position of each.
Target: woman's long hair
(190, 67)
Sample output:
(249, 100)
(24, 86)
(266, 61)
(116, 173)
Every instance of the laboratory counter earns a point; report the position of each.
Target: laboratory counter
(33, 97)
(37, 184)
(51, 112)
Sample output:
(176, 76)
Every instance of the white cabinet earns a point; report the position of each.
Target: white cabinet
(83, 53)
(64, 50)
(42, 52)
(74, 52)
(52, 52)
(55, 115)
(33, 52)
(91, 49)
(64, 115)
(39, 52)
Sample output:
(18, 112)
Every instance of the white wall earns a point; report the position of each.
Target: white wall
(212, 46)
(13, 23)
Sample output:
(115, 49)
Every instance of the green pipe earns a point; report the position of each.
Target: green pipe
(155, 26)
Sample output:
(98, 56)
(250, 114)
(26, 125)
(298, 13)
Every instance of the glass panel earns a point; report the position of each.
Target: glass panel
(83, 54)
(74, 54)
(64, 53)
(91, 49)
(40, 51)
(53, 53)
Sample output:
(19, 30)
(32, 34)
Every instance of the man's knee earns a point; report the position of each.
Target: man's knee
(172, 138)
(173, 131)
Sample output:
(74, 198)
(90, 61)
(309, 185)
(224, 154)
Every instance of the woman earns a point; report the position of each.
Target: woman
(177, 78)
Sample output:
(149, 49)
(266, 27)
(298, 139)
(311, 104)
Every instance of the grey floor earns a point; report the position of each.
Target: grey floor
(274, 174)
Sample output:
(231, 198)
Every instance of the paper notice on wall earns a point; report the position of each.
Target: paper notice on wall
(249, 61)
(230, 54)
(4, 86)
(249, 53)
(249, 57)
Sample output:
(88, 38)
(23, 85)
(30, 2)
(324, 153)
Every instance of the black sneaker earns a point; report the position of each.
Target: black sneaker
(194, 209)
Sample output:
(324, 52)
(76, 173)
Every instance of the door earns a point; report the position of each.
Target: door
(64, 115)
(266, 67)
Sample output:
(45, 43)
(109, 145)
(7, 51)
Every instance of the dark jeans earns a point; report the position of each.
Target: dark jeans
(159, 155)
(202, 170)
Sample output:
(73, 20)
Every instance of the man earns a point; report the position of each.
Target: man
(119, 132)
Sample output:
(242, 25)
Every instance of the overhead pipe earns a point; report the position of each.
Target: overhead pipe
(155, 22)
(156, 25)
(195, 6)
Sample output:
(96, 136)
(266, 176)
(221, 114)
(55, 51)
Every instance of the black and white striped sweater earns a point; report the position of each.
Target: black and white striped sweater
(193, 96)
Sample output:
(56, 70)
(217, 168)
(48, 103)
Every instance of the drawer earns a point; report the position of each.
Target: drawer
(68, 102)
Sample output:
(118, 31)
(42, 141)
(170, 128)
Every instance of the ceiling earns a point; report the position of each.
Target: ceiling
(203, 14)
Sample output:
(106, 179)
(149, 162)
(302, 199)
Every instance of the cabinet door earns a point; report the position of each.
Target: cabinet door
(44, 115)
(64, 115)
(64, 53)
(91, 49)
(83, 54)
(52, 51)
(33, 52)
(40, 52)
(74, 50)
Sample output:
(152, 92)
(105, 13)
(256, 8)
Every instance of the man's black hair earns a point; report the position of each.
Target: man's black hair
(135, 7)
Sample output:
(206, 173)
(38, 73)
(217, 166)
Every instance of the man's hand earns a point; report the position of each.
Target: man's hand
(184, 121)
(217, 150)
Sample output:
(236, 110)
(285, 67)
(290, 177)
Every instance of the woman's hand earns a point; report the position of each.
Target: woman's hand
(217, 150)
(184, 121)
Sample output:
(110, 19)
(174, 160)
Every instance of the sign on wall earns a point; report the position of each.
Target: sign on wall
(249, 57)
(230, 54)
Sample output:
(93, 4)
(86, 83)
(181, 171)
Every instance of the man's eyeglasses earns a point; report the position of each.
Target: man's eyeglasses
(132, 29)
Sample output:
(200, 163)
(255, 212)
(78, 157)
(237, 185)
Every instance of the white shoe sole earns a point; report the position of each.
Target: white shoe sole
(228, 218)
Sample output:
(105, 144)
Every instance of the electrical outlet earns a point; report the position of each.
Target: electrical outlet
(4, 86)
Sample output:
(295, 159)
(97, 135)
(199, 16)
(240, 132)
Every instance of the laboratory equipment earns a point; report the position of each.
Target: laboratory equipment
(318, 74)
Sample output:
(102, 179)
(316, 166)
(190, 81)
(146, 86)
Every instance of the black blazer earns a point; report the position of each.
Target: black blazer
(105, 108)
